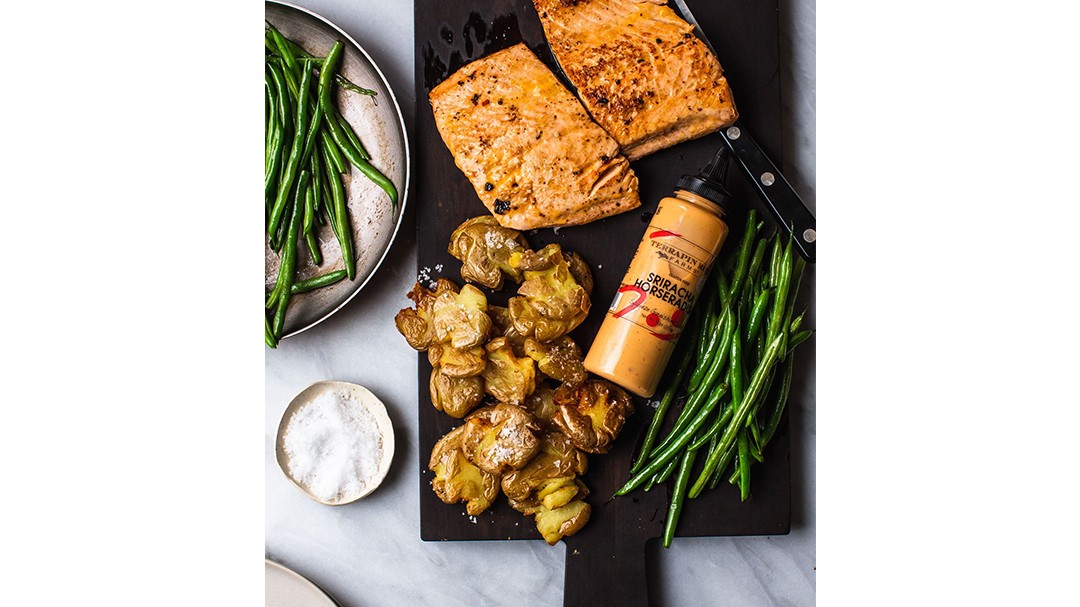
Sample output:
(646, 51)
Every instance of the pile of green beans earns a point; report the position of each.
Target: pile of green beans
(732, 371)
(309, 147)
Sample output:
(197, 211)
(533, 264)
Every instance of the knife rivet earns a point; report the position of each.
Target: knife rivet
(734, 132)
(768, 178)
(809, 235)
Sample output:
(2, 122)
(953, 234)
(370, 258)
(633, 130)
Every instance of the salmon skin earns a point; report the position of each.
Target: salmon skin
(639, 70)
(527, 145)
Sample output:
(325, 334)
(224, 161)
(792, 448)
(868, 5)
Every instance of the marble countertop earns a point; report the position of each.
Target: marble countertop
(370, 552)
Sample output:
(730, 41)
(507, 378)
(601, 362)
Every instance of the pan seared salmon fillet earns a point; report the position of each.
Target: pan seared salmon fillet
(639, 70)
(527, 146)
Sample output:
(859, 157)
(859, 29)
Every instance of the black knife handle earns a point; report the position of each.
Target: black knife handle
(779, 196)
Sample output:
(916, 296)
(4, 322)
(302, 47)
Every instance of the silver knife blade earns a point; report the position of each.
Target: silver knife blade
(688, 16)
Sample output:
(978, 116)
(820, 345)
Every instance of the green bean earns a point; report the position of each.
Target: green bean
(715, 338)
(286, 273)
(757, 313)
(315, 282)
(774, 260)
(665, 473)
(309, 226)
(743, 465)
(351, 135)
(291, 68)
(302, 56)
(312, 131)
(341, 225)
(336, 130)
(745, 245)
(671, 451)
(781, 403)
(295, 155)
(678, 496)
(270, 339)
(795, 324)
(317, 185)
(710, 379)
(723, 289)
(779, 308)
(662, 409)
(742, 410)
(797, 339)
(706, 330)
(710, 434)
(725, 459)
(756, 258)
(735, 370)
(331, 148)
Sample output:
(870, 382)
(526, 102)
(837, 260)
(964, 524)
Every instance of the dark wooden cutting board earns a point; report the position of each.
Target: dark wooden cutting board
(605, 562)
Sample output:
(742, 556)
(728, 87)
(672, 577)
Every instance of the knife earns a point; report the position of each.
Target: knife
(781, 199)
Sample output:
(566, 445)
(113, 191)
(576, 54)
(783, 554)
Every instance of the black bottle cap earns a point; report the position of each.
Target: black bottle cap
(709, 183)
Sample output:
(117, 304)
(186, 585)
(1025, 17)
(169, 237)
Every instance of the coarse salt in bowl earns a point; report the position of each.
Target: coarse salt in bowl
(335, 442)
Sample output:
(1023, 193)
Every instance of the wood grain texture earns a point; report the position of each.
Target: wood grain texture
(605, 561)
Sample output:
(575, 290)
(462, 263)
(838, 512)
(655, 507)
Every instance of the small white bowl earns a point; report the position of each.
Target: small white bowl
(367, 400)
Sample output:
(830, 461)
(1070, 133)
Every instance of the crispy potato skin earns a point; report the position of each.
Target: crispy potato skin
(455, 396)
(592, 414)
(508, 378)
(457, 479)
(487, 251)
(500, 438)
(560, 359)
(564, 521)
(557, 460)
(550, 302)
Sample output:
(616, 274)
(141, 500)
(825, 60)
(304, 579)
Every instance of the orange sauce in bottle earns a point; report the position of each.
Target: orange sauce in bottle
(654, 300)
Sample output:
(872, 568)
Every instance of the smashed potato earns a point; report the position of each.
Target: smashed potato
(580, 270)
(560, 359)
(592, 414)
(457, 479)
(460, 317)
(503, 326)
(500, 438)
(541, 404)
(532, 445)
(550, 302)
(549, 477)
(488, 252)
(455, 396)
(507, 377)
(459, 363)
(416, 324)
(564, 521)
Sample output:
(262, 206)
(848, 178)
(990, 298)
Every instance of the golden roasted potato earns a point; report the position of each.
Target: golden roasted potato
(503, 326)
(453, 395)
(500, 438)
(580, 270)
(560, 359)
(564, 521)
(541, 404)
(550, 303)
(416, 324)
(454, 362)
(549, 476)
(460, 317)
(508, 378)
(592, 414)
(457, 479)
(487, 251)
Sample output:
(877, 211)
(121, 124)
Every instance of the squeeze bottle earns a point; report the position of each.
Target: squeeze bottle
(653, 302)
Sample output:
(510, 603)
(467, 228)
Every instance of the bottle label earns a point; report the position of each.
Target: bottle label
(666, 271)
